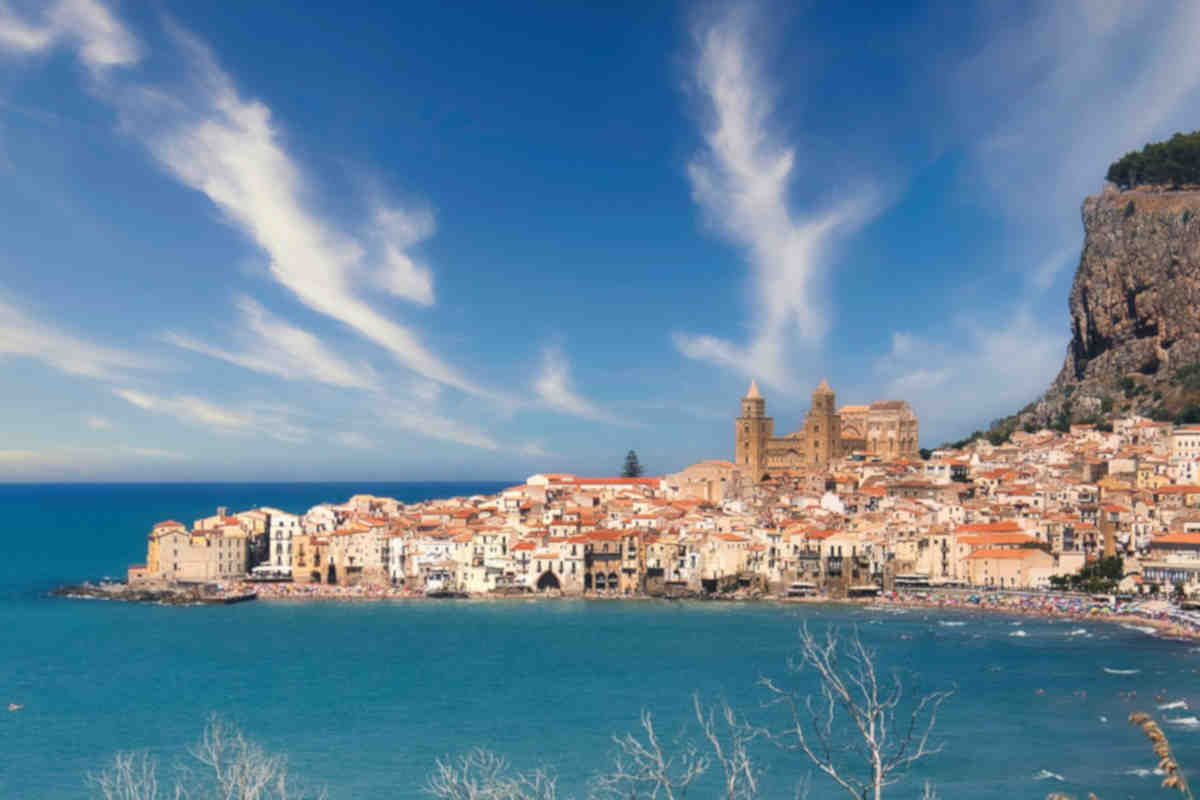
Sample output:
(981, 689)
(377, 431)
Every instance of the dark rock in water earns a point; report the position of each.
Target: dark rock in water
(172, 595)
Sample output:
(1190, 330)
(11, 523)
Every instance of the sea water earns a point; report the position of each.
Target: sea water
(364, 697)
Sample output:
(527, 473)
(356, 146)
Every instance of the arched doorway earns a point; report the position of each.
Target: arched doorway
(331, 577)
(601, 583)
(587, 582)
(612, 581)
(548, 581)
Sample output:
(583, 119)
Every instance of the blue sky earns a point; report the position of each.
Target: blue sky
(279, 241)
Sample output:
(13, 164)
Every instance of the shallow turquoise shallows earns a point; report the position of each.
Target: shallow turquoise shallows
(363, 697)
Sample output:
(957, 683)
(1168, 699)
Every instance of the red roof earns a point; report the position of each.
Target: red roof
(1179, 537)
(1007, 526)
(999, 553)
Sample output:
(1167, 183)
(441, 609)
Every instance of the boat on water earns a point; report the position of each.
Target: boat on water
(439, 583)
(801, 589)
(229, 600)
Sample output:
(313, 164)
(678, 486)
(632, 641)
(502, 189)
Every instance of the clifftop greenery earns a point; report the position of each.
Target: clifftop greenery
(1171, 163)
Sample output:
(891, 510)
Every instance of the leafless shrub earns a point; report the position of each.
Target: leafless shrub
(856, 731)
(131, 776)
(226, 766)
(644, 769)
(483, 775)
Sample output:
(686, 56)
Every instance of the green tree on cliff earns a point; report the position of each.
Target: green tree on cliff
(1170, 163)
(632, 468)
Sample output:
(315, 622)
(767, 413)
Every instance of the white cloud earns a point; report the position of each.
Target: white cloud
(397, 230)
(353, 439)
(59, 462)
(534, 450)
(23, 335)
(154, 453)
(431, 425)
(553, 386)
(189, 409)
(230, 149)
(275, 347)
(102, 41)
(742, 182)
(994, 368)
(98, 423)
(1056, 95)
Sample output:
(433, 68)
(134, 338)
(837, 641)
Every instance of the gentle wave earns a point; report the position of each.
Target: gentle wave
(1078, 632)
(951, 623)
(1140, 628)
(1183, 722)
(1112, 671)
(1046, 775)
(1174, 704)
(1142, 772)
(1018, 632)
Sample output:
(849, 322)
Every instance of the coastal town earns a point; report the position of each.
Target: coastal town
(844, 507)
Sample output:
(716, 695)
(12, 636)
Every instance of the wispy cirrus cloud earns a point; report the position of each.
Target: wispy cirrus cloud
(429, 424)
(554, 387)
(100, 38)
(71, 462)
(742, 181)
(98, 423)
(276, 347)
(275, 423)
(22, 334)
(988, 367)
(212, 139)
(1054, 96)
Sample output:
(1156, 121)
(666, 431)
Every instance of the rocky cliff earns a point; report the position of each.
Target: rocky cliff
(1135, 310)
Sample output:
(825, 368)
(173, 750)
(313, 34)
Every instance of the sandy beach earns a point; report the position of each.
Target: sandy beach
(1153, 615)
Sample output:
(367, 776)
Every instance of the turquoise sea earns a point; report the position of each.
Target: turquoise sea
(363, 697)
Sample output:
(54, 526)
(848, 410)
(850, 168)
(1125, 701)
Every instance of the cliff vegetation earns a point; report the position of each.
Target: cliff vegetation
(1174, 163)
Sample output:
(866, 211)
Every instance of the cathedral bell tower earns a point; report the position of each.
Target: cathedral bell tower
(823, 427)
(753, 429)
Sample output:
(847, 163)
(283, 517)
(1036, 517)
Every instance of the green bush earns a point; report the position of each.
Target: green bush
(1159, 414)
(1106, 404)
(1189, 415)
(1187, 376)
(1170, 163)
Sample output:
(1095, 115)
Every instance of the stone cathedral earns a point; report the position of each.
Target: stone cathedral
(886, 429)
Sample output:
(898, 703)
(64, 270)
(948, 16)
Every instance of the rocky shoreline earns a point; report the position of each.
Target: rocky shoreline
(169, 595)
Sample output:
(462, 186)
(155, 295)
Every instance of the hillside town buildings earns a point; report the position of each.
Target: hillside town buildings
(837, 519)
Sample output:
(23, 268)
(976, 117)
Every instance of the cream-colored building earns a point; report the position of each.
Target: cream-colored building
(886, 429)
(712, 481)
(1015, 568)
(175, 554)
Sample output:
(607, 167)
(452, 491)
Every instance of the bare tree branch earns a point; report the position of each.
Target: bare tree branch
(855, 706)
(233, 768)
(644, 770)
(483, 775)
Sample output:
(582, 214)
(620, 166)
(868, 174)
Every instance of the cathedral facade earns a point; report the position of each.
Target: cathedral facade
(886, 429)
